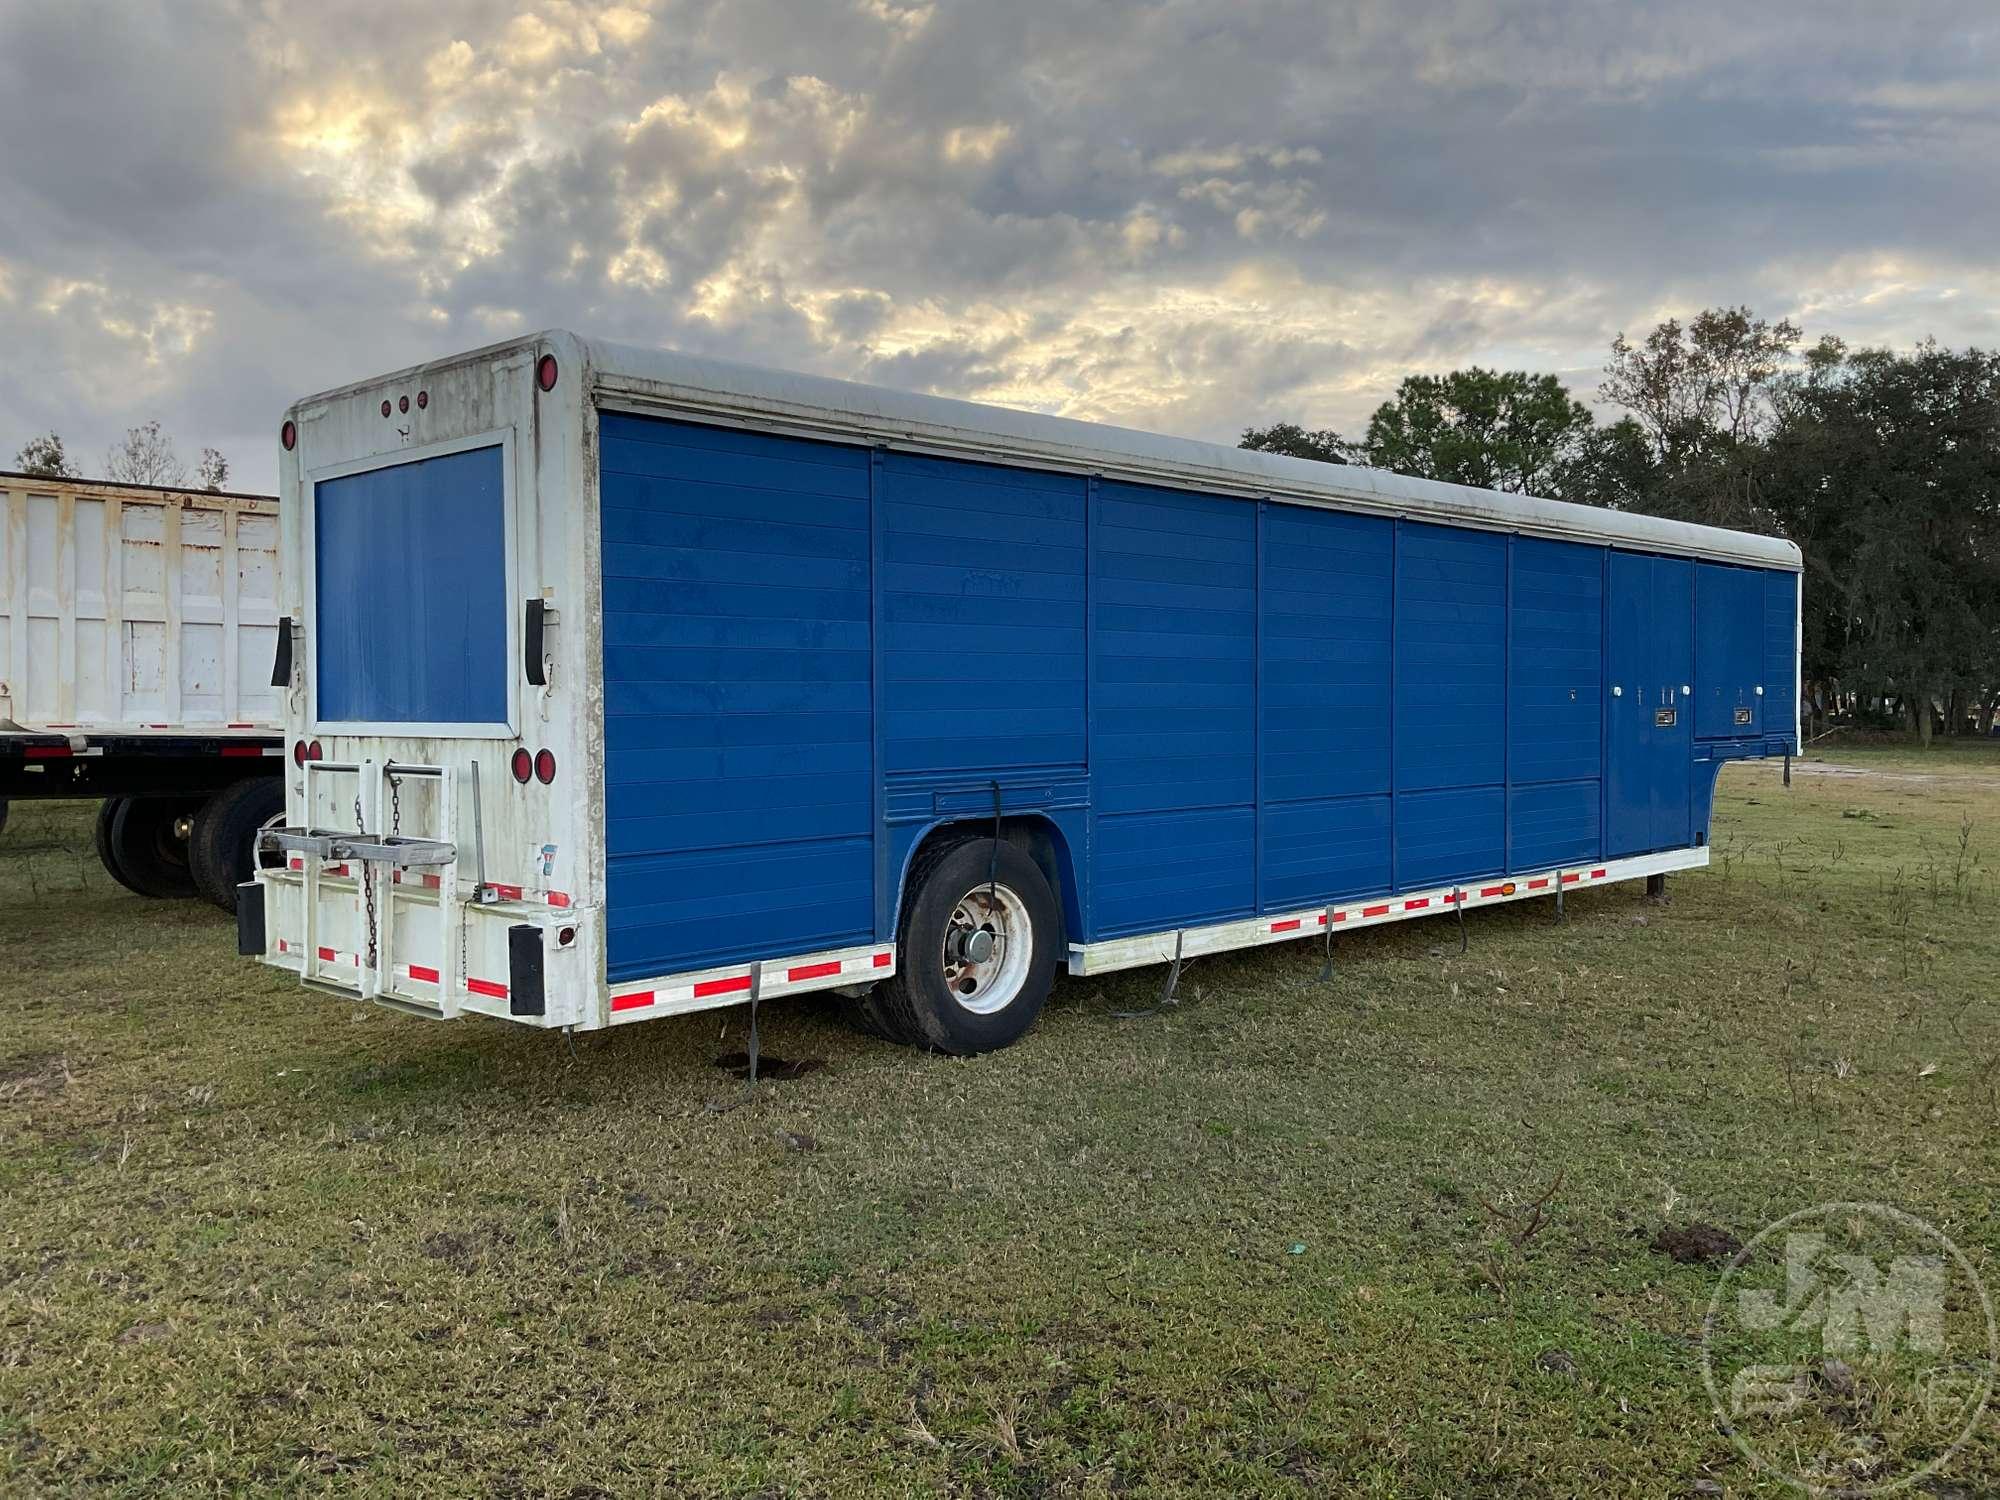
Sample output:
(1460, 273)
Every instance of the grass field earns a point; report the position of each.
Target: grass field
(253, 1239)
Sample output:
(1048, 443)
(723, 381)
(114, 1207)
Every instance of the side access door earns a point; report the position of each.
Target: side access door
(1649, 733)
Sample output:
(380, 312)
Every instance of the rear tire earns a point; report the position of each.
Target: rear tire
(149, 845)
(223, 851)
(107, 855)
(976, 951)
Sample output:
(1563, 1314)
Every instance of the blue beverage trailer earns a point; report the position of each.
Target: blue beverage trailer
(622, 683)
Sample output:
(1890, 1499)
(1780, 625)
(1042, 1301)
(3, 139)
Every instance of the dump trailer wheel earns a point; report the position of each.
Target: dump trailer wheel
(223, 851)
(107, 854)
(149, 842)
(976, 951)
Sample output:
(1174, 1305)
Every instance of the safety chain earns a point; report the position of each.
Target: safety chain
(367, 878)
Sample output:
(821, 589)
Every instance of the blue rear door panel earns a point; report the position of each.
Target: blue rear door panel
(410, 593)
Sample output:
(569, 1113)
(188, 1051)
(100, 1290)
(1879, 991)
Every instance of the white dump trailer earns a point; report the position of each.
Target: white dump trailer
(138, 626)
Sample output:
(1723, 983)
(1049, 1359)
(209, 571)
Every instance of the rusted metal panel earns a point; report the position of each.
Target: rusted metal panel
(131, 607)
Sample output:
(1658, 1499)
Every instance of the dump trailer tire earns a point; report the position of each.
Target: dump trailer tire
(107, 855)
(976, 949)
(223, 850)
(150, 847)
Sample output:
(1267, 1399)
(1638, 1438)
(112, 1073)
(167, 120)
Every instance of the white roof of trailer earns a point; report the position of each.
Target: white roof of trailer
(817, 403)
(696, 385)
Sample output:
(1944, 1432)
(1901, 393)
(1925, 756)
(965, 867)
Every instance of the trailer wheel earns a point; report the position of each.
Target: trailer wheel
(107, 814)
(223, 851)
(149, 845)
(976, 951)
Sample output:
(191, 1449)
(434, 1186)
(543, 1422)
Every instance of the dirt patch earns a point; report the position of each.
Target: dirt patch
(34, 1077)
(774, 1069)
(1695, 1243)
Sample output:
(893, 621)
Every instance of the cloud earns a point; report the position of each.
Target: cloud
(1159, 212)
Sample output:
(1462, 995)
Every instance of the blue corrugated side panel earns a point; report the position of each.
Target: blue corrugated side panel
(1555, 701)
(982, 615)
(1728, 651)
(1781, 633)
(1323, 714)
(1450, 708)
(737, 713)
(410, 590)
(1173, 733)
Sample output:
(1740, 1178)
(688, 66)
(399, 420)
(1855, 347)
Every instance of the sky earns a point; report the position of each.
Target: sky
(1185, 217)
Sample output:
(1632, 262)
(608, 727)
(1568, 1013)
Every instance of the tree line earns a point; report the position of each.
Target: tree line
(1883, 467)
(144, 456)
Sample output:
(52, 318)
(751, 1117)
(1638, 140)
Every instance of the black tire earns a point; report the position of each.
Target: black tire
(919, 1005)
(223, 851)
(107, 814)
(149, 852)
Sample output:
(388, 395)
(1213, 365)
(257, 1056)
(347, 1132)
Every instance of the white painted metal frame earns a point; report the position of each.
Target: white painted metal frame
(1373, 911)
(501, 438)
(729, 984)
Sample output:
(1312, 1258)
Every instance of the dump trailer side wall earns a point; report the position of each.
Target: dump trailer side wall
(125, 607)
(818, 652)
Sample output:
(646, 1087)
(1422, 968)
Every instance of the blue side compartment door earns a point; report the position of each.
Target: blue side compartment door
(1729, 652)
(1673, 718)
(1781, 658)
(1648, 748)
(738, 811)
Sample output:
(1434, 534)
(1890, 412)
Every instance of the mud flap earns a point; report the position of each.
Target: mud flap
(250, 920)
(526, 991)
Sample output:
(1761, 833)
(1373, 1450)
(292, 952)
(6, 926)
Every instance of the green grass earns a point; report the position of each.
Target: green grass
(255, 1239)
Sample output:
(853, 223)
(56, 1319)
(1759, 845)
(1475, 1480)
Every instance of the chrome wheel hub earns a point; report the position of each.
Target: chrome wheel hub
(988, 942)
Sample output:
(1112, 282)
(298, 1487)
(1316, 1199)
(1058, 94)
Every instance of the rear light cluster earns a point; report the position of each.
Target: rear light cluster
(401, 404)
(303, 752)
(541, 766)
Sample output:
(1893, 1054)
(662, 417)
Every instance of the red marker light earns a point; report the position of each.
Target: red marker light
(423, 399)
(385, 406)
(289, 436)
(313, 751)
(299, 753)
(403, 403)
(545, 372)
(545, 766)
(524, 766)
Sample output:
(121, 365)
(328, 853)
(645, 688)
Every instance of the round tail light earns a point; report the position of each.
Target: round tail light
(313, 751)
(545, 766)
(524, 766)
(289, 436)
(298, 752)
(545, 372)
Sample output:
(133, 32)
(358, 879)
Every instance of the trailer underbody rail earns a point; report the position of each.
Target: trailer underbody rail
(1250, 932)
